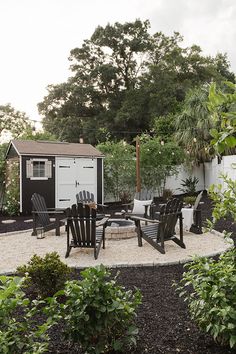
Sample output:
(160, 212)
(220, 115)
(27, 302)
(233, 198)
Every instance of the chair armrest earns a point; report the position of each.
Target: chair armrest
(55, 209)
(126, 204)
(102, 205)
(139, 218)
(48, 212)
(101, 222)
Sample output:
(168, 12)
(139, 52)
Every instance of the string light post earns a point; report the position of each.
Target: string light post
(138, 176)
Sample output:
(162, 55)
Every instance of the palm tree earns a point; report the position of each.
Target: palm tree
(193, 125)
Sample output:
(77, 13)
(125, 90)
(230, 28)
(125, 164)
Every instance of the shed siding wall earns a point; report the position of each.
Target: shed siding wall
(44, 187)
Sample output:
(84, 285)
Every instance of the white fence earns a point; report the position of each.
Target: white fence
(208, 174)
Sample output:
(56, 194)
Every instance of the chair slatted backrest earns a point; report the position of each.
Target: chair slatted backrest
(197, 201)
(85, 197)
(39, 205)
(169, 214)
(82, 223)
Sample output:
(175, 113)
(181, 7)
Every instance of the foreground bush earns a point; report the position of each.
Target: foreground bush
(46, 275)
(212, 298)
(98, 314)
(18, 332)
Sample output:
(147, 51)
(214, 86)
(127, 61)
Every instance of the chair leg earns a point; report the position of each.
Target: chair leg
(155, 244)
(68, 242)
(196, 227)
(34, 232)
(162, 237)
(138, 229)
(68, 252)
(103, 238)
(57, 221)
(97, 250)
(180, 241)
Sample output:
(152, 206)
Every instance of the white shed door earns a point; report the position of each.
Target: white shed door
(73, 176)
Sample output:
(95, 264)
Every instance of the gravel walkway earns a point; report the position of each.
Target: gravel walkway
(17, 249)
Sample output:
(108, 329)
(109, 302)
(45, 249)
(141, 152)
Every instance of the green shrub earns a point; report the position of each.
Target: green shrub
(190, 200)
(12, 189)
(47, 275)
(167, 194)
(98, 314)
(19, 335)
(189, 185)
(212, 299)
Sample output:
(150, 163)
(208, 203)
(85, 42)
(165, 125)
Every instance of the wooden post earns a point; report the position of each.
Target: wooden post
(138, 177)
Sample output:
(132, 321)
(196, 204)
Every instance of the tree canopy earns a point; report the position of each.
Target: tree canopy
(13, 121)
(124, 78)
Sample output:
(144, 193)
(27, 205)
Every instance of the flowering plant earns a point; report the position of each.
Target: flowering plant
(12, 206)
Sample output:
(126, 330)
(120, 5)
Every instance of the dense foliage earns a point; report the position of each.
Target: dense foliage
(224, 199)
(45, 275)
(189, 185)
(19, 334)
(12, 188)
(13, 121)
(97, 313)
(124, 79)
(212, 300)
(158, 161)
(119, 168)
(222, 106)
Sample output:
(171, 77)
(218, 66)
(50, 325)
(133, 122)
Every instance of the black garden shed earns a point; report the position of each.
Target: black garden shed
(57, 171)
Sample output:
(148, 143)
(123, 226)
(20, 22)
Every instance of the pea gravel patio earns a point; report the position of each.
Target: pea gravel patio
(17, 248)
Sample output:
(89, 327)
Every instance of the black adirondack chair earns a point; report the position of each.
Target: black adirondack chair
(87, 197)
(41, 216)
(140, 206)
(196, 227)
(84, 228)
(156, 232)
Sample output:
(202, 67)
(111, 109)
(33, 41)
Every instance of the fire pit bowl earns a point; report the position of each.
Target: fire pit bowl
(120, 229)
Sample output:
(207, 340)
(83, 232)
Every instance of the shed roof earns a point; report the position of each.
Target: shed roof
(54, 148)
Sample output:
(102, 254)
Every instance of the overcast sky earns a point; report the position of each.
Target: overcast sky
(37, 36)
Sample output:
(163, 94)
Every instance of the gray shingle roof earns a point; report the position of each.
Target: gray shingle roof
(52, 148)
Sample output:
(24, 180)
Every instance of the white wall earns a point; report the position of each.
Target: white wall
(214, 169)
(174, 182)
(211, 170)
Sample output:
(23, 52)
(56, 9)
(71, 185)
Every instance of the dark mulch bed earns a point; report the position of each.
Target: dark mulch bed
(163, 318)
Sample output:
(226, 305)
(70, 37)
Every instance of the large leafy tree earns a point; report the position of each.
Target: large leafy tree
(105, 68)
(123, 78)
(13, 121)
(173, 70)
